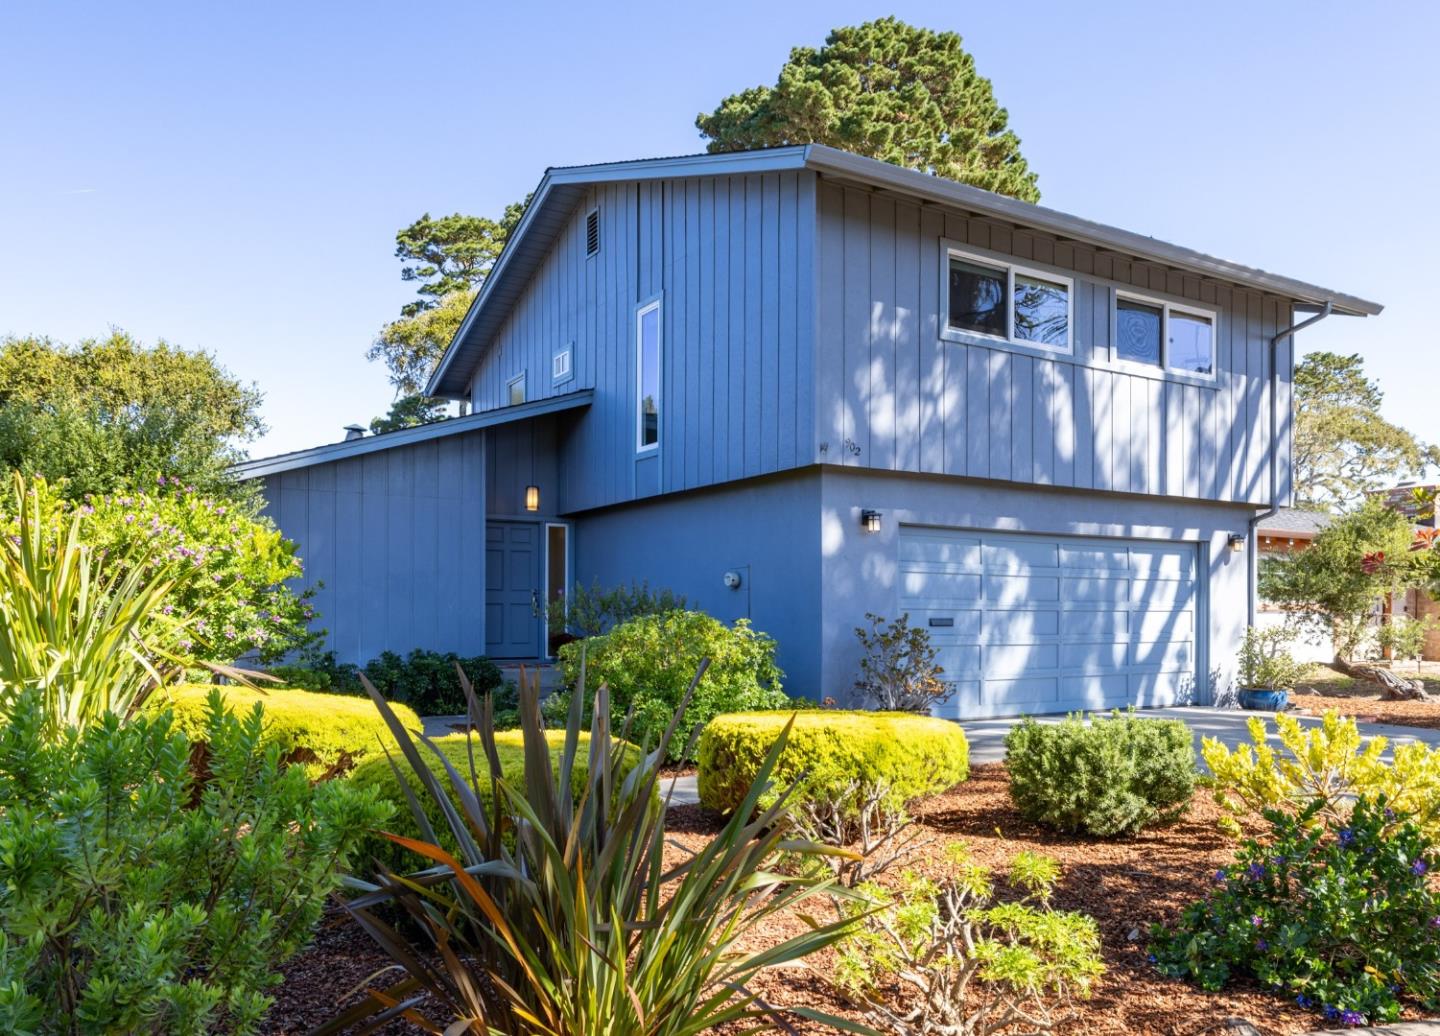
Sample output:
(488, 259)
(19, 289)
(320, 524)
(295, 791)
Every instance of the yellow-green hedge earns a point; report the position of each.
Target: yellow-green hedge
(325, 733)
(913, 756)
(509, 745)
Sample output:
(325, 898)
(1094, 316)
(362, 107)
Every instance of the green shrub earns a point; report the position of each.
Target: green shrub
(590, 611)
(963, 960)
(649, 661)
(1264, 662)
(1340, 915)
(898, 672)
(1106, 777)
(565, 908)
(423, 680)
(138, 901)
(327, 734)
(829, 752)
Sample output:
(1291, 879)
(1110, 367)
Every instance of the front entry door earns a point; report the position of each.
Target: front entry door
(512, 589)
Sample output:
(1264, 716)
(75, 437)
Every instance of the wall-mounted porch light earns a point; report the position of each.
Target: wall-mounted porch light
(532, 498)
(870, 521)
(1237, 542)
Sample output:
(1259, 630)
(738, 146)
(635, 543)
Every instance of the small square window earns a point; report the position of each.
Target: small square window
(977, 298)
(1192, 343)
(560, 365)
(515, 390)
(1042, 311)
(1137, 331)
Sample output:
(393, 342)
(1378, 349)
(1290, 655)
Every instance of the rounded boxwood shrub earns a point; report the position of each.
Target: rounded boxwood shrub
(1105, 777)
(830, 752)
(327, 734)
(377, 773)
(649, 661)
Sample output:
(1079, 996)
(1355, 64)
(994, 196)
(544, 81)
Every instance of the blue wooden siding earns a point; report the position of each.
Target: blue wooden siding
(396, 542)
(894, 396)
(732, 260)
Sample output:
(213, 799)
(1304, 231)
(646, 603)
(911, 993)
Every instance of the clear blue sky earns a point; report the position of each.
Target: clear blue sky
(231, 176)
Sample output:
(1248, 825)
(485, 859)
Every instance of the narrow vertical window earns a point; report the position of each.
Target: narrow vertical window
(515, 390)
(1192, 343)
(647, 348)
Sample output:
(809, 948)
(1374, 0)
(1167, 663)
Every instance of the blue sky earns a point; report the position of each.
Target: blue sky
(231, 177)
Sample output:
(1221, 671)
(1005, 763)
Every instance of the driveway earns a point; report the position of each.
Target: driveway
(987, 736)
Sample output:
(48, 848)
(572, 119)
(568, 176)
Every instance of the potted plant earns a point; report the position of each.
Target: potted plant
(1267, 670)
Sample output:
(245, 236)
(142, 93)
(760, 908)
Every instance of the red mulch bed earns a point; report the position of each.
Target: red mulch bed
(1125, 884)
(1371, 709)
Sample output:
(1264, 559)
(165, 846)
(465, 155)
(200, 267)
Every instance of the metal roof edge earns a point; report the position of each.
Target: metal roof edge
(263, 466)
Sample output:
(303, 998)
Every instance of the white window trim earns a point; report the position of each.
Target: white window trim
(641, 447)
(1166, 307)
(569, 353)
(950, 250)
(519, 379)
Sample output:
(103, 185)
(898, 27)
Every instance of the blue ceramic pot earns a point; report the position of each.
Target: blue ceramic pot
(1263, 700)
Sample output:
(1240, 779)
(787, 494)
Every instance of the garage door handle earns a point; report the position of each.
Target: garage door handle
(948, 621)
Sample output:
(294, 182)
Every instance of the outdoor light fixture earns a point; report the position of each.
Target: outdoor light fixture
(1237, 542)
(870, 521)
(532, 498)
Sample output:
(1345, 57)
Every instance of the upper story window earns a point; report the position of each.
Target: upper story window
(515, 390)
(1007, 302)
(647, 364)
(1163, 334)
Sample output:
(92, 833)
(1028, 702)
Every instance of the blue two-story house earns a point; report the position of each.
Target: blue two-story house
(798, 386)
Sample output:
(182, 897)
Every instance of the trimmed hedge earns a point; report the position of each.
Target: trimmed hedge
(912, 756)
(1103, 778)
(509, 744)
(324, 733)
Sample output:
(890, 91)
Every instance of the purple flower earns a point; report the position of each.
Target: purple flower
(1435, 922)
(1221, 877)
(1352, 1018)
(1347, 837)
(1418, 867)
(1256, 920)
(1261, 945)
(1303, 1000)
(1255, 871)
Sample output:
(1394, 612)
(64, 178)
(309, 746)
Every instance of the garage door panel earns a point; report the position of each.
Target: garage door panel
(1022, 694)
(941, 586)
(1008, 625)
(940, 548)
(1096, 588)
(1018, 659)
(1020, 555)
(1030, 623)
(1007, 591)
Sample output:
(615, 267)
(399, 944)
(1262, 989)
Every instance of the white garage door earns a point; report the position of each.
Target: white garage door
(1037, 624)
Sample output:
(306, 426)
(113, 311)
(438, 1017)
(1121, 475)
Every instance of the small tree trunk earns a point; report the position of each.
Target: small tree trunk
(1392, 686)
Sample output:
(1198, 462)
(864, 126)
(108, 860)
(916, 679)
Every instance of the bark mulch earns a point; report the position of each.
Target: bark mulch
(1125, 884)
(1368, 708)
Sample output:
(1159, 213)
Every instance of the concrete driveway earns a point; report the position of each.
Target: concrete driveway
(987, 736)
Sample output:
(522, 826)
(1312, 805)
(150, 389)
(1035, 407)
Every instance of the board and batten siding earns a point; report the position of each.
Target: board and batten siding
(732, 259)
(893, 395)
(395, 542)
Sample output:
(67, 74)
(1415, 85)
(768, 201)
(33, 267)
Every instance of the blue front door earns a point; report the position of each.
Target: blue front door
(513, 551)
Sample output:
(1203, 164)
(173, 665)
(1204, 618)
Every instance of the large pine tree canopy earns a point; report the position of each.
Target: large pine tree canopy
(886, 90)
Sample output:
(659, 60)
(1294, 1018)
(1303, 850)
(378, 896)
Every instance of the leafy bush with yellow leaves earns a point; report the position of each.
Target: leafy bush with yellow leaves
(1329, 764)
(961, 960)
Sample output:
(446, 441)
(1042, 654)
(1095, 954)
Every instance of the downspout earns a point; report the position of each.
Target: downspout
(1252, 555)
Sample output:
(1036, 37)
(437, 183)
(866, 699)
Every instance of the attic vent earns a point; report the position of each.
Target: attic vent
(592, 233)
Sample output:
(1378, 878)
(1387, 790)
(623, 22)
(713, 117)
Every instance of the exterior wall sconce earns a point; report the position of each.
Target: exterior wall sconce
(870, 521)
(1237, 542)
(532, 498)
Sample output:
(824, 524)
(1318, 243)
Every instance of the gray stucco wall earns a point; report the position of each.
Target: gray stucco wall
(858, 569)
(766, 529)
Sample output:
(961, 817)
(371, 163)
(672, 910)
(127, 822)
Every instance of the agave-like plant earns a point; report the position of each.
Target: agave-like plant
(558, 914)
(90, 637)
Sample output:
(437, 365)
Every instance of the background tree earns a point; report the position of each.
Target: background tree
(1340, 580)
(450, 257)
(888, 90)
(408, 412)
(1344, 449)
(111, 413)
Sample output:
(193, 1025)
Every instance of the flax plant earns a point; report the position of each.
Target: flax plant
(90, 637)
(561, 915)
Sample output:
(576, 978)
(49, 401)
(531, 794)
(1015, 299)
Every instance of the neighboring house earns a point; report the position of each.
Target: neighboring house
(799, 386)
(1415, 500)
(1288, 531)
